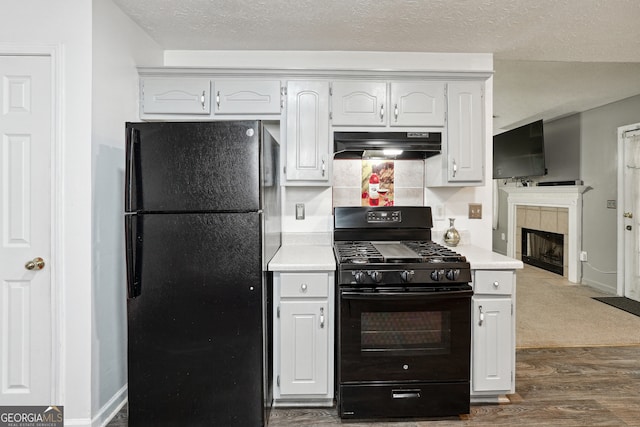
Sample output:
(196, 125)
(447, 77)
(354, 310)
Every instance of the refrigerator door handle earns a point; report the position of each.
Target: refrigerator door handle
(131, 190)
(133, 253)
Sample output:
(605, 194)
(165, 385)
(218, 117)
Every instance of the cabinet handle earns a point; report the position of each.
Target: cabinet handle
(395, 112)
(496, 284)
(381, 112)
(202, 98)
(323, 168)
(303, 287)
(481, 316)
(455, 168)
(218, 99)
(321, 318)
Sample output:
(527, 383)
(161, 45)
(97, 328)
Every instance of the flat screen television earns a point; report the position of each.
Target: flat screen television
(519, 152)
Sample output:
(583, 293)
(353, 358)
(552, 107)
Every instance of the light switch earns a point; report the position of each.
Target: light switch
(299, 210)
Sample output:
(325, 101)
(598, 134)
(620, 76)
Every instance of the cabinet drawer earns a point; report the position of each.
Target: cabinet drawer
(304, 285)
(497, 282)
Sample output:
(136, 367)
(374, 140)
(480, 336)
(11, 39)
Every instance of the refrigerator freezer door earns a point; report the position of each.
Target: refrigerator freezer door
(193, 167)
(195, 337)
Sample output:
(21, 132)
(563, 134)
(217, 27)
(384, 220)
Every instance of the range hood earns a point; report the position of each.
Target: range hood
(386, 145)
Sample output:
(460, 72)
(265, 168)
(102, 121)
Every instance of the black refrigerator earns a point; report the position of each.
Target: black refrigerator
(202, 220)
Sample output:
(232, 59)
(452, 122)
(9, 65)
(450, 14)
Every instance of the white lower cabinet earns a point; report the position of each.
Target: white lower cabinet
(493, 334)
(303, 338)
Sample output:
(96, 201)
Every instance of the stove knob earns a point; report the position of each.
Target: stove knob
(407, 275)
(359, 276)
(436, 275)
(453, 274)
(376, 276)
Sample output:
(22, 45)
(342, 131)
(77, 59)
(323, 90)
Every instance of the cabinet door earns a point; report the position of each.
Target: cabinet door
(493, 349)
(465, 140)
(247, 97)
(175, 96)
(359, 103)
(417, 104)
(304, 354)
(308, 151)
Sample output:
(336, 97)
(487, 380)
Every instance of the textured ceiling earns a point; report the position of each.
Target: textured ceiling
(517, 32)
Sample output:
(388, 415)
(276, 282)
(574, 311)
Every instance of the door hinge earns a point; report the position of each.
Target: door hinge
(278, 312)
(278, 380)
(284, 170)
(512, 309)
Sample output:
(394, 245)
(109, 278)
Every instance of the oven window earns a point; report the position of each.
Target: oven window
(410, 331)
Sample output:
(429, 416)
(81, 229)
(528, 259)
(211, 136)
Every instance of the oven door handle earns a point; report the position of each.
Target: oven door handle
(355, 295)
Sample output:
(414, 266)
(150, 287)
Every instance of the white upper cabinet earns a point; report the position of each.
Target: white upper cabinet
(417, 104)
(240, 97)
(307, 143)
(359, 103)
(378, 103)
(462, 160)
(175, 96)
(465, 136)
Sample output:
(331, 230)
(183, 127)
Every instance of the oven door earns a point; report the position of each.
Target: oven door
(388, 335)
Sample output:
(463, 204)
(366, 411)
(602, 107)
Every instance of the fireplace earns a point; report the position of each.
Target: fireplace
(543, 249)
(539, 208)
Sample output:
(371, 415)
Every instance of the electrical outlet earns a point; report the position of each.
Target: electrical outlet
(299, 210)
(583, 256)
(611, 204)
(475, 211)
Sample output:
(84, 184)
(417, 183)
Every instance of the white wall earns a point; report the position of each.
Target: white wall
(599, 166)
(118, 46)
(67, 27)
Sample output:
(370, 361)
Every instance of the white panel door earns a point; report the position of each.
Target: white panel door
(304, 347)
(492, 344)
(631, 213)
(25, 231)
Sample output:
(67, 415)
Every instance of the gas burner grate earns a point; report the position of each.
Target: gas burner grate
(357, 252)
(433, 252)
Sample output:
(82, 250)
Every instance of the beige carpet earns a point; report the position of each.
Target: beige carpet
(553, 312)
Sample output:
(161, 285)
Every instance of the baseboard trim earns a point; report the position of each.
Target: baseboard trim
(111, 408)
(607, 289)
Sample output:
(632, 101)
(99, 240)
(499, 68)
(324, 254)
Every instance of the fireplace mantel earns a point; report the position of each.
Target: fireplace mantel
(569, 197)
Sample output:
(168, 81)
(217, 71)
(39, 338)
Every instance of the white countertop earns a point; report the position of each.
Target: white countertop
(483, 259)
(320, 258)
(303, 258)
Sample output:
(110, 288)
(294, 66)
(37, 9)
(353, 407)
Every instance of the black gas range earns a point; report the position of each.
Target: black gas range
(404, 316)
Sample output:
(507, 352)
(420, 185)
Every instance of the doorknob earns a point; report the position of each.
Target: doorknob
(628, 215)
(35, 264)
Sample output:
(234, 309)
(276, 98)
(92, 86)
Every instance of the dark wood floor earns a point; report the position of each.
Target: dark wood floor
(592, 386)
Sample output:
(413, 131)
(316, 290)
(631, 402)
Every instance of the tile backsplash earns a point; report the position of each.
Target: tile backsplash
(408, 182)
(347, 191)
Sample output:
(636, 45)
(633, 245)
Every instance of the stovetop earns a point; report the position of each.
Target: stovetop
(405, 263)
(366, 252)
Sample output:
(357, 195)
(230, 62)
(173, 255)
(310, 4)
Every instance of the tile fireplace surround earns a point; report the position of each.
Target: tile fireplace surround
(557, 209)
